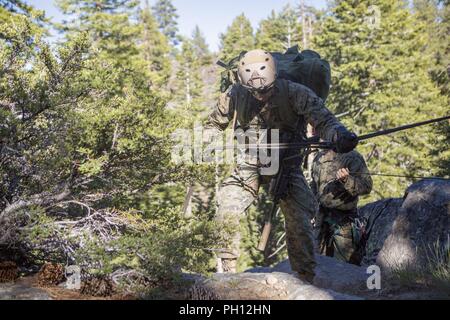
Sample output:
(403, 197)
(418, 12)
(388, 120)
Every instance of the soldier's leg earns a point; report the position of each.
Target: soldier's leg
(348, 240)
(339, 238)
(236, 194)
(343, 242)
(299, 207)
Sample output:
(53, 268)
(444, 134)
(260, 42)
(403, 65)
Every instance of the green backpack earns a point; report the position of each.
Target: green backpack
(306, 68)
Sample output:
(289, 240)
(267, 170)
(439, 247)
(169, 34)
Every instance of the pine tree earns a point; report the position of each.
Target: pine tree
(427, 11)
(436, 16)
(14, 7)
(166, 15)
(11, 8)
(85, 138)
(191, 86)
(15, 10)
(200, 46)
(109, 25)
(442, 75)
(127, 113)
(279, 31)
(292, 29)
(271, 34)
(308, 18)
(380, 74)
(37, 86)
(155, 47)
(237, 38)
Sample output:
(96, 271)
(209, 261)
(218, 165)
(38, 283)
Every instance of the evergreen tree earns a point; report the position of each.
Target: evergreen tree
(109, 25)
(309, 19)
(279, 31)
(436, 16)
(84, 150)
(292, 29)
(270, 34)
(16, 10)
(191, 87)
(200, 46)
(122, 137)
(380, 73)
(155, 47)
(11, 8)
(166, 15)
(127, 113)
(36, 86)
(442, 77)
(237, 38)
(427, 11)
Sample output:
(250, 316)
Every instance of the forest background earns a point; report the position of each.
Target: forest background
(86, 176)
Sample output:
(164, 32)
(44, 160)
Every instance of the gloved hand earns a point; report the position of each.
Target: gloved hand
(344, 140)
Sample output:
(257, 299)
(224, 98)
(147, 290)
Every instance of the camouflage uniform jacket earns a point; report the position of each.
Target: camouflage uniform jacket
(290, 108)
(332, 193)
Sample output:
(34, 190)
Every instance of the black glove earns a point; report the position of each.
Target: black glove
(344, 140)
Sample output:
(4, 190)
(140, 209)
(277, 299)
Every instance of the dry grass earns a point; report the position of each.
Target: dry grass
(433, 276)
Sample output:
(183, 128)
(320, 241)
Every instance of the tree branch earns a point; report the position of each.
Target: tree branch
(42, 199)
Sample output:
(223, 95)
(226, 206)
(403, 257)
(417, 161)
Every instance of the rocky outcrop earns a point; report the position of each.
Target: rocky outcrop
(407, 232)
(380, 216)
(334, 280)
(335, 275)
(260, 286)
(22, 291)
(330, 274)
(402, 232)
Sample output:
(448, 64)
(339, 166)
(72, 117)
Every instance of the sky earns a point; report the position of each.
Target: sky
(213, 17)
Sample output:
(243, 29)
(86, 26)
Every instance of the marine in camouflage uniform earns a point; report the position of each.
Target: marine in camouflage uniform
(337, 181)
(288, 106)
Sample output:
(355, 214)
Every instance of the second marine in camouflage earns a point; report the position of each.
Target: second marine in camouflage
(337, 181)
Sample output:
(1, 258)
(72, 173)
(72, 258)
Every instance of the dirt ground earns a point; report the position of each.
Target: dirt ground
(59, 293)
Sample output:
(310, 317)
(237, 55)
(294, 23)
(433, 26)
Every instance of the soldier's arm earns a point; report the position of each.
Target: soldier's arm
(306, 103)
(359, 182)
(223, 112)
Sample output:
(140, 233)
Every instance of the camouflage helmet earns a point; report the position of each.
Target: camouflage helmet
(257, 70)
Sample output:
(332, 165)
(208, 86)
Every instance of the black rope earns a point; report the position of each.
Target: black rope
(399, 176)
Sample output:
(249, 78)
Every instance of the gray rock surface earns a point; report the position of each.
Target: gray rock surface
(21, 291)
(381, 216)
(260, 286)
(406, 232)
(334, 280)
(403, 232)
(330, 274)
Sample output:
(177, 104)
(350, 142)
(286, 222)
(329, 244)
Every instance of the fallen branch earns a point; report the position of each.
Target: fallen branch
(42, 199)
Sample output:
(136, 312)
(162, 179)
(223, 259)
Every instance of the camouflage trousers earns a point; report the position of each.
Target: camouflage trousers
(240, 190)
(340, 235)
